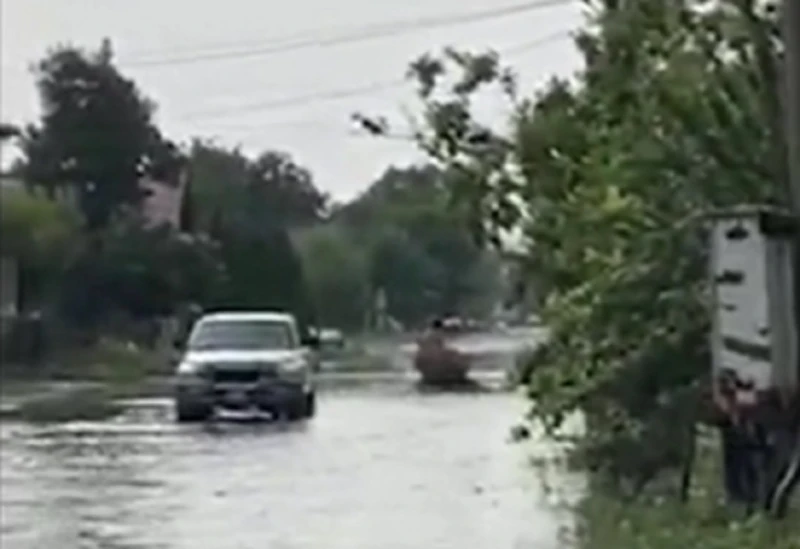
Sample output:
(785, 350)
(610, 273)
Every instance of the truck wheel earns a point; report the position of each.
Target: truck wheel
(301, 407)
(192, 413)
(295, 409)
(310, 404)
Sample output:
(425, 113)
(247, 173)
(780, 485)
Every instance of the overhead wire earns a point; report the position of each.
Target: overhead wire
(295, 100)
(373, 32)
(352, 132)
(343, 93)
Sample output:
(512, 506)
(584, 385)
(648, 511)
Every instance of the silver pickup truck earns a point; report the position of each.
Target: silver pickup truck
(250, 361)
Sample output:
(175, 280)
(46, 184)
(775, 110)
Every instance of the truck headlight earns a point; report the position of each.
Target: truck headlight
(192, 369)
(293, 366)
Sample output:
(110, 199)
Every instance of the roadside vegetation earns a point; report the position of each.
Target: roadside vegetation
(93, 403)
(104, 288)
(608, 175)
(703, 521)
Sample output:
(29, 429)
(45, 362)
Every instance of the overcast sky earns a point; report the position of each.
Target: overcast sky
(239, 98)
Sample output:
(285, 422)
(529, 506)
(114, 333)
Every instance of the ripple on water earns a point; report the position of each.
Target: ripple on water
(389, 470)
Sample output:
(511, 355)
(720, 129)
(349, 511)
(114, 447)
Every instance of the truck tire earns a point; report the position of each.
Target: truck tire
(310, 404)
(301, 407)
(186, 412)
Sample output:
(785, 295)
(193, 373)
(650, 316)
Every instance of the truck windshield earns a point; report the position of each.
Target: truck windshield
(241, 335)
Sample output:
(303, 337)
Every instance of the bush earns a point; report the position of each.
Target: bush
(34, 229)
(657, 522)
(140, 272)
(524, 363)
(85, 404)
(336, 276)
(114, 362)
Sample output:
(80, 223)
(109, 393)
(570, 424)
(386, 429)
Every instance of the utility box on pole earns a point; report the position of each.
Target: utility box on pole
(754, 337)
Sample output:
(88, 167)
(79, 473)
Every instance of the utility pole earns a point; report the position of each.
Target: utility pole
(789, 437)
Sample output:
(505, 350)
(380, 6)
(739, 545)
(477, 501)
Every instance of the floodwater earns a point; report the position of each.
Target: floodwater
(379, 467)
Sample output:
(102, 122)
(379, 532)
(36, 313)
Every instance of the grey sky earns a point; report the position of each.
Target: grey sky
(317, 134)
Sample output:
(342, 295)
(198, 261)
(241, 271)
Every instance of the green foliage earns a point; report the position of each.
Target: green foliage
(336, 275)
(617, 182)
(608, 178)
(285, 189)
(658, 523)
(226, 182)
(95, 143)
(406, 273)
(264, 271)
(142, 272)
(419, 253)
(34, 229)
(216, 175)
(96, 135)
(42, 235)
(86, 404)
(249, 206)
(115, 362)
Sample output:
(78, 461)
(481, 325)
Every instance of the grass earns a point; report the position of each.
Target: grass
(114, 362)
(84, 404)
(703, 522)
(103, 374)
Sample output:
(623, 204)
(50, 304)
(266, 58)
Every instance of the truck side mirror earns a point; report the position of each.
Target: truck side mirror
(311, 341)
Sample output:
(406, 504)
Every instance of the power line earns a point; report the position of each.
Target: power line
(331, 129)
(376, 31)
(359, 90)
(302, 99)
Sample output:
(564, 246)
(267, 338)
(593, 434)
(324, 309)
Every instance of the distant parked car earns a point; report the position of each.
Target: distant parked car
(246, 361)
(331, 341)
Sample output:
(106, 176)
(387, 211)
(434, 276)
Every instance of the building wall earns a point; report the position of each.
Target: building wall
(163, 203)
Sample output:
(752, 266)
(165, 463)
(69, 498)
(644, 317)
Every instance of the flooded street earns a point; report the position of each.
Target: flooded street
(381, 466)
(377, 468)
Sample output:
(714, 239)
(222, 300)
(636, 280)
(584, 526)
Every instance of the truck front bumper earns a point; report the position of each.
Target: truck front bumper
(267, 396)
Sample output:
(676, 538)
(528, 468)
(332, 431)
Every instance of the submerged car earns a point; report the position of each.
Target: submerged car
(247, 361)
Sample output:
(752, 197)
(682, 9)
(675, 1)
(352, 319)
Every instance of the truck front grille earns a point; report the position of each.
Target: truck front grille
(236, 376)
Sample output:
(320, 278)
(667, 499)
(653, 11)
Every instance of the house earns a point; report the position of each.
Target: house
(163, 201)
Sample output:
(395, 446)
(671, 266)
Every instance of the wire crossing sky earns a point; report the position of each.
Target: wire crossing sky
(286, 79)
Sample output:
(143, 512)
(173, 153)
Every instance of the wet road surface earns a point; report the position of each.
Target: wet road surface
(379, 468)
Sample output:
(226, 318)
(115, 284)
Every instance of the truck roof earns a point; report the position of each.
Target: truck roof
(241, 316)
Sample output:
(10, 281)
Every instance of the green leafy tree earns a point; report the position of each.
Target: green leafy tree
(609, 177)
(264, 272)
(216, 175)
(140, 272)
(286, 189)
(402, 269)
(96, 136)
(283, 190)
(248, 206)
(421, 254)
(41, 235)
(336, 275)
